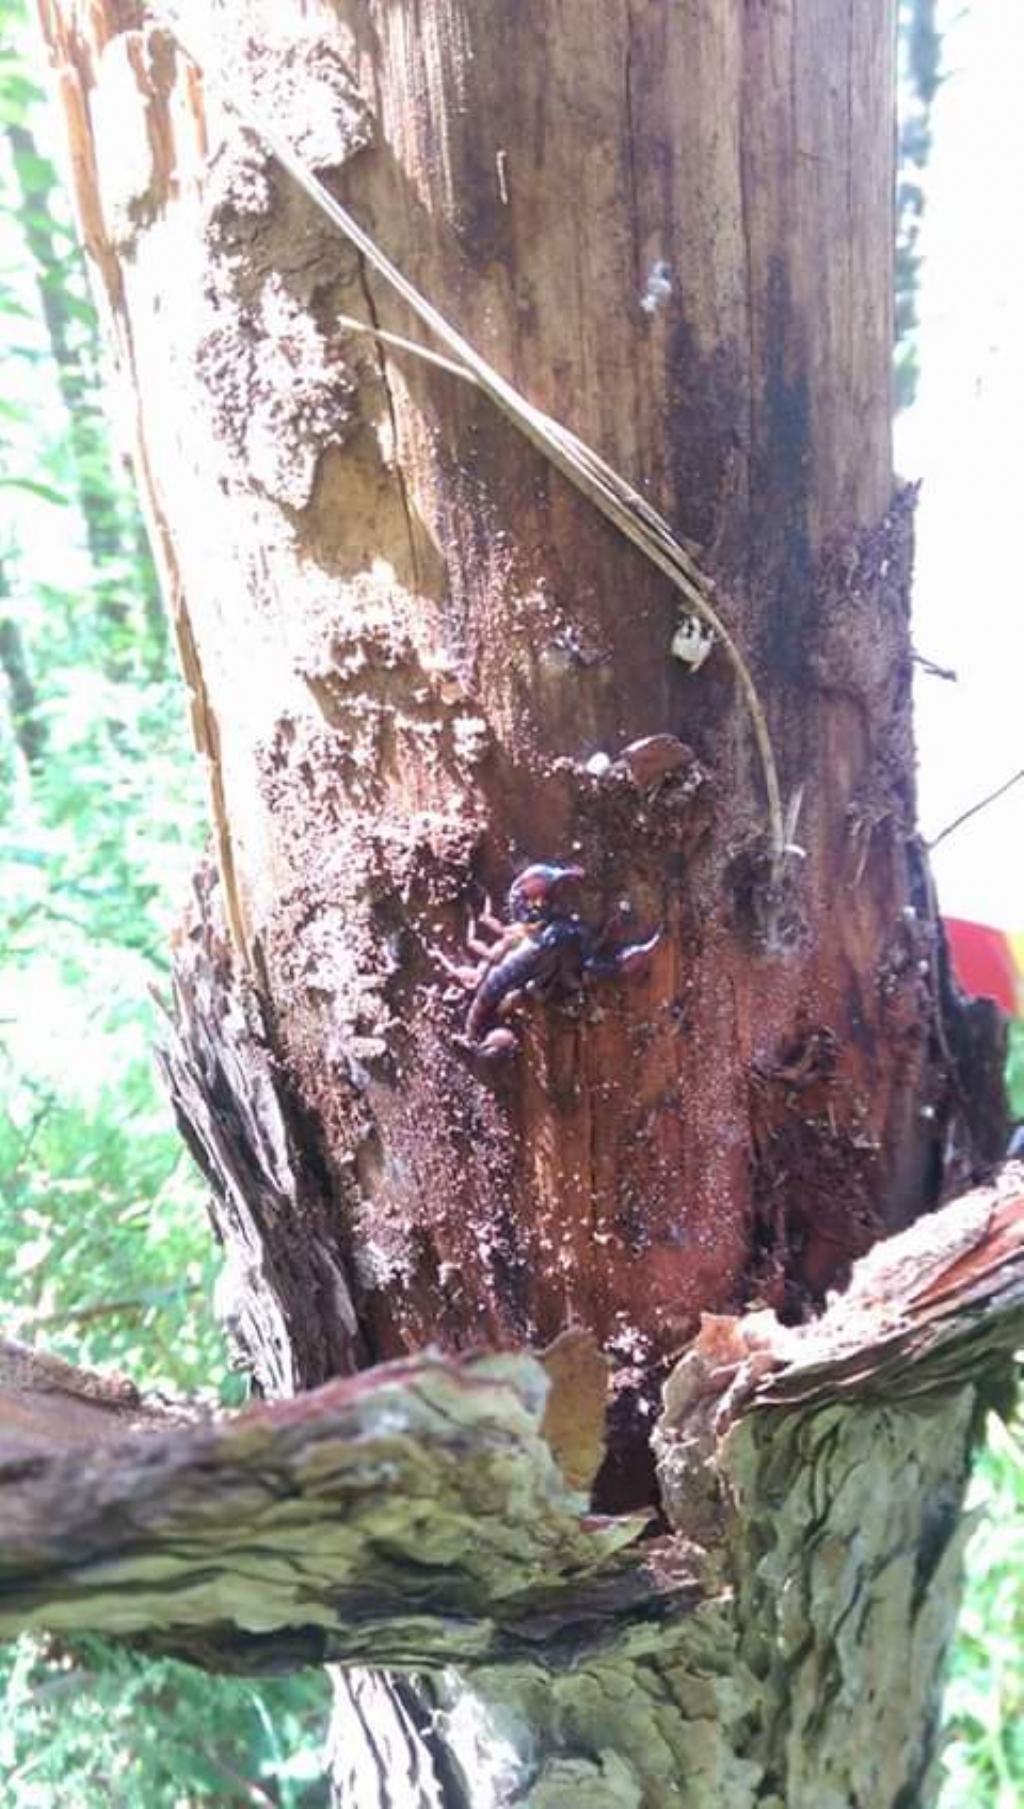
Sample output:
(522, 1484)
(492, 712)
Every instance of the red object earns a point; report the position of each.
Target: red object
(983, 961)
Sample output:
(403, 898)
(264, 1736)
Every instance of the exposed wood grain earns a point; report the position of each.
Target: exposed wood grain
(416, 660)
(406, 639)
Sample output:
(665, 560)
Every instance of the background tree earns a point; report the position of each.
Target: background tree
(782, 1111)
(920, 61)
(104, 1252)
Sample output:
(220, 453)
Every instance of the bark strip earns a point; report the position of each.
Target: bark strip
(416, 1515)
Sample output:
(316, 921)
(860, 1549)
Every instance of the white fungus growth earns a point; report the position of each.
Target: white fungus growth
(659, 287)
(692, 642)
(472, 739)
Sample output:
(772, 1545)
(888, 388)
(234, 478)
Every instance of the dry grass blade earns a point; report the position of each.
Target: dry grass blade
(617, 499)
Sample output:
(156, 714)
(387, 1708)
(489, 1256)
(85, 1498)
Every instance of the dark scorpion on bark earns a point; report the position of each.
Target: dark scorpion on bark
(544, 949)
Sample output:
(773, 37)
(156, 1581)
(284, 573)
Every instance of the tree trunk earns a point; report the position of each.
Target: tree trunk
(420, 660)
(28, 724)
(780, 1644)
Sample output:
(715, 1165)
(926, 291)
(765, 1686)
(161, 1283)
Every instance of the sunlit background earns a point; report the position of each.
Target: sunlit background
(104, 1253)
(964, 438)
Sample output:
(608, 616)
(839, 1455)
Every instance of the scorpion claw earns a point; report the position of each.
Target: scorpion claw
(544, 950)
(634, 957)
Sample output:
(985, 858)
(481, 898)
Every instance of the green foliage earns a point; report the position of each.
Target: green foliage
(102, 1238)
(985, 1700)
(920, 58)
(103, 1245)
(105, 1253)
(94, 1726)
(984, 1707)
(102, 1241)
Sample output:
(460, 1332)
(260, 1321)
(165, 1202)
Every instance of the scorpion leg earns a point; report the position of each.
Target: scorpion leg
(497, 1044)
(499, 1040)
(476, 944)
(486, 920)
(469, 977)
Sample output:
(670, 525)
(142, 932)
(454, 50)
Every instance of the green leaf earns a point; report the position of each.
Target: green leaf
(17, 94)
(34, 489)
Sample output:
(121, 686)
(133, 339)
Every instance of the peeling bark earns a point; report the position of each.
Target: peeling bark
(417, 660)
(436, 640)
(779, 1643)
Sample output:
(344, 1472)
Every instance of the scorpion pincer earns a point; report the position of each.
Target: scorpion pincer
(545, 948)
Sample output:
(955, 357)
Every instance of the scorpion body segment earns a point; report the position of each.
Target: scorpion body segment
(545, 948)
(538, 958)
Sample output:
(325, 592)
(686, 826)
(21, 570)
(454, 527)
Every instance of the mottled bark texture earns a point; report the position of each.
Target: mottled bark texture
(778, 1641)
(415, 656)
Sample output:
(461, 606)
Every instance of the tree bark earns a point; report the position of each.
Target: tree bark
(28, 724)
(419, 660)
(778, 1642)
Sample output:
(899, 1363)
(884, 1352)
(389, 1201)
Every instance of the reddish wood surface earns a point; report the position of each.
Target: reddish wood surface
(405, 638)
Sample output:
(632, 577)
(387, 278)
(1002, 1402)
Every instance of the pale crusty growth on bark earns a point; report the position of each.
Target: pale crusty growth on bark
(48, 1405)
(405, 638)
(418, 660)
(780, 1645)
(352, 1515)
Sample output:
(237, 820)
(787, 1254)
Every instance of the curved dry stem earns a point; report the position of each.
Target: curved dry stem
(612, 494)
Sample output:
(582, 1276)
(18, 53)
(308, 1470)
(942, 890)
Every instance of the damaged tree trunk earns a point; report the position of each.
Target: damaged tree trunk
(779, 1645)
(419, 660)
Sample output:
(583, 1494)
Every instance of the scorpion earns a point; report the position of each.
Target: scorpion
(544, 949)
